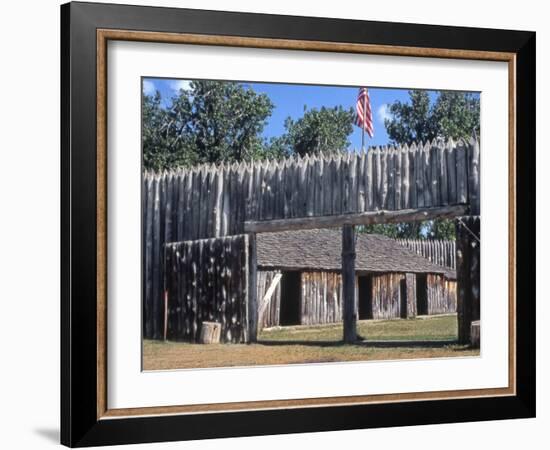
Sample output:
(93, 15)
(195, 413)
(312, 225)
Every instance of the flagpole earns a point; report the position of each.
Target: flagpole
(364, 121)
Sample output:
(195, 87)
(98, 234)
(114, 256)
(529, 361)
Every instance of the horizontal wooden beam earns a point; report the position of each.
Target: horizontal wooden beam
(365, 218)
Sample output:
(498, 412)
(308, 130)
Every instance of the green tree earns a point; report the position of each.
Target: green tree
(441, 229)
(227, 120)
(456, 115)
(411, 122)
(402, 230)
(452, 115)
(211, 121)
(318, 130)
(161, 146)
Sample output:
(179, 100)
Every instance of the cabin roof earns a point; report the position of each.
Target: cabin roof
(321, 250)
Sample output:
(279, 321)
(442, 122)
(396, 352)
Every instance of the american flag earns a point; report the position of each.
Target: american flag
(364, 112)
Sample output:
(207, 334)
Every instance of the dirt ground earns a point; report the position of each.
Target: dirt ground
(424, 337)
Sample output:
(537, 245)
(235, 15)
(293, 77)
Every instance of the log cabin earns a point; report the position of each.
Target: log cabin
(299, 280)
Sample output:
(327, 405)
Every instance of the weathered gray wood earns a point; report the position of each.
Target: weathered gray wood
(148, 256)
(377, 180)
(419, 174)
(390, 202)
(451, 171)
(369, 183)
(252, 289)
(366, 218)
(336, 185)
(317, 186)
(426, 176)
(461, 172)
(384, 179)
(205, 285)
(270, 317)
(473, 191)
(181, 205)
(266, 299)
(405, 183)
(361, 182)
(393, 189)
(475, 293)
(435, 167)
(156, 258)
(348, 283)
(345, 182)
(444, 188)
(354, 161)
(464, 304)
(410, 280)
(211, 200)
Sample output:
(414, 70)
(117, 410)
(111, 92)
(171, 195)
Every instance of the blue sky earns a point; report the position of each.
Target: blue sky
(289, 100)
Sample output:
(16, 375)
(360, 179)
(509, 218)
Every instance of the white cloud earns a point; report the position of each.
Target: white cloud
(383, 112)
(149, 87)
(176, 85)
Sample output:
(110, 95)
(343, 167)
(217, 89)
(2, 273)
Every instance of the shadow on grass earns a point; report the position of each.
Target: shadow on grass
(367, 343)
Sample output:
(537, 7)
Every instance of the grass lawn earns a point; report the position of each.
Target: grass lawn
(424, 337)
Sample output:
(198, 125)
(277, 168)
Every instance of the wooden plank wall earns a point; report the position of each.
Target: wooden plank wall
(207, 280)
(271, 317)
(322, 298)
(438, 251)
(410, 279)
(386, 295)
(441, 294)
(215, 200)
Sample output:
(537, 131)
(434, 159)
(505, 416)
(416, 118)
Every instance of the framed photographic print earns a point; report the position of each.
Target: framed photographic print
(276, 224)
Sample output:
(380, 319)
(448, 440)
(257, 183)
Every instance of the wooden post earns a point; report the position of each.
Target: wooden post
(474, 225)
(462, 281)
(252, 289)
(348, 283)
(467, 274)
(165, 333)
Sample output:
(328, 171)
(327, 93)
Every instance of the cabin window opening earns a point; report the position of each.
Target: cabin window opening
(365, 297)
(421, 294)
(291, 298)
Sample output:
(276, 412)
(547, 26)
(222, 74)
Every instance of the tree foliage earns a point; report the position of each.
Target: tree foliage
(215, 121)
(428, 229)
(452, 115)
(211, 121)
(441, 229)
(318, 130)
(403, 230)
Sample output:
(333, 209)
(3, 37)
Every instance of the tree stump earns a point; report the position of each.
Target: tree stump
(210, 333)
(474, 334)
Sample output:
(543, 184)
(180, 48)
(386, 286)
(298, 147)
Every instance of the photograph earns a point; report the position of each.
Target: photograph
(305, 224)
(271, 224)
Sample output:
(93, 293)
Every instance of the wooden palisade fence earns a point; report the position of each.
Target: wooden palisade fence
(207, 280)
(211, 201)
(438, 251)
